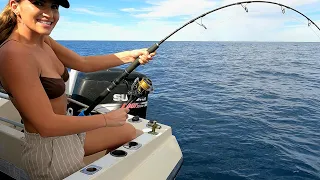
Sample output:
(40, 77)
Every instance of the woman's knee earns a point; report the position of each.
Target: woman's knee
(131, 132)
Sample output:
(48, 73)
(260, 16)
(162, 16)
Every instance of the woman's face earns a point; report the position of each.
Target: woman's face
(40, 16)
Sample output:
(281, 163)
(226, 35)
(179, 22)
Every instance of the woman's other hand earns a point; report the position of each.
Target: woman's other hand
(116, 117)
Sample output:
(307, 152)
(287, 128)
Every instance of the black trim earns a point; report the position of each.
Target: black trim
(5, 176)
(176, 170)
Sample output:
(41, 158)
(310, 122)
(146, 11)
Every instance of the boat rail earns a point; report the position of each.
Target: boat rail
(4, 96)
(12, 122)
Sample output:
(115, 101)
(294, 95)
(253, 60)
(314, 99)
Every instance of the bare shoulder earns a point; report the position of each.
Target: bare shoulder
(12, 47)
(14, 51)
(15, 56)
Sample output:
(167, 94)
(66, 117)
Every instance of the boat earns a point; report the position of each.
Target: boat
(155, 154)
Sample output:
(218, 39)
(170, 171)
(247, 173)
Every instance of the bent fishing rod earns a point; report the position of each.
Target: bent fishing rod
(154, 47)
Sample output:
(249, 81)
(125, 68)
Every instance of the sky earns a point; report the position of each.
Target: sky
(152, 20)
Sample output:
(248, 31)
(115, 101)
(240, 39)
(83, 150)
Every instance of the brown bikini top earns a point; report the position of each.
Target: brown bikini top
(54, 87)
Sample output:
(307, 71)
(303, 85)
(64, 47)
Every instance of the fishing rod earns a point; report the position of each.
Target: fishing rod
(155, 46)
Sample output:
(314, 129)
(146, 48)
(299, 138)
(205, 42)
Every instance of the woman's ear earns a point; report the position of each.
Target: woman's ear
(14, 7)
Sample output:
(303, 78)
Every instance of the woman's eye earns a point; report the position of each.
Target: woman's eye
(37, 3)
(55, 6)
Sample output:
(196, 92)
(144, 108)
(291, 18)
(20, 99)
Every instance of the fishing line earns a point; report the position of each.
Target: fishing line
(303, 22)
(283, 11)
(315, 32)
(245, 7)
(154, 47)
(201, 24)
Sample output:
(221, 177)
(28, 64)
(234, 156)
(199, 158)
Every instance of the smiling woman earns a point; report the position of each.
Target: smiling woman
(11, 15)
(35, 65)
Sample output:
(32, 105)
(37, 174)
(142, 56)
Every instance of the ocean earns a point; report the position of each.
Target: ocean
(239, 110)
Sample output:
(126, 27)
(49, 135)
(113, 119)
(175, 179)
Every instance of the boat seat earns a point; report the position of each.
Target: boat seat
(2, 90)
(92, 158)
(8, 111)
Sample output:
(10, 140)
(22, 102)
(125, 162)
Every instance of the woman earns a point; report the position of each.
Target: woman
(33, 72)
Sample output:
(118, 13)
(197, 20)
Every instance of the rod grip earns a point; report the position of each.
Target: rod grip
(136, 62)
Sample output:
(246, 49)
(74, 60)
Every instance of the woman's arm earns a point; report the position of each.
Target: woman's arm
(95, 63)
(19, 73)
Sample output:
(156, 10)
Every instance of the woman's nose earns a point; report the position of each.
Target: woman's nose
(47, 12)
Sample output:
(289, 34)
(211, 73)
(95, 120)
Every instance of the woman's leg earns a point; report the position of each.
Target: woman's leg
(108, 138)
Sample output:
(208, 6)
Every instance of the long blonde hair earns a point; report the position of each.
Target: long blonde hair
(8, 21)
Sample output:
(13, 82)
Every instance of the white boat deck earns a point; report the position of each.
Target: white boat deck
(150, 156)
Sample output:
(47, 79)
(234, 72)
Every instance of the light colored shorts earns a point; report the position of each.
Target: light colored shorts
(52, 157)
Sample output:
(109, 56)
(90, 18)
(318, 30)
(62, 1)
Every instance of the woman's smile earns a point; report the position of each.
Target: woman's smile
(45, 23)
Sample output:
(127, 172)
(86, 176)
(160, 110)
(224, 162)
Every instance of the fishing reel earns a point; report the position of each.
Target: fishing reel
(139, 89)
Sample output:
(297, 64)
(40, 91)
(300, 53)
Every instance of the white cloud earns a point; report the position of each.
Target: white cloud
(242, 28)
(293, 3)
(145, 30)
(132, 10)
(262, 23)
(172, 8)
(90, 12)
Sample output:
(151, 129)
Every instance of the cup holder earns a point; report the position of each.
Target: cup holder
(118, 153)
(135, 119)
(90, 170)
(132, 145)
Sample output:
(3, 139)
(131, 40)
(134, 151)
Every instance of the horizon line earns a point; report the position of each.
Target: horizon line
(187, 41)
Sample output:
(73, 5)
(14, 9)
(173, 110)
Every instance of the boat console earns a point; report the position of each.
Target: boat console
(154, 154)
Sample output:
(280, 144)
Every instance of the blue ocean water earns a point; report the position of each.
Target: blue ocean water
(239, 110)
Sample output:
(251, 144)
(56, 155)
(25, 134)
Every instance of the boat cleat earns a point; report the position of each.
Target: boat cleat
(151, 124)
(154, 126)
